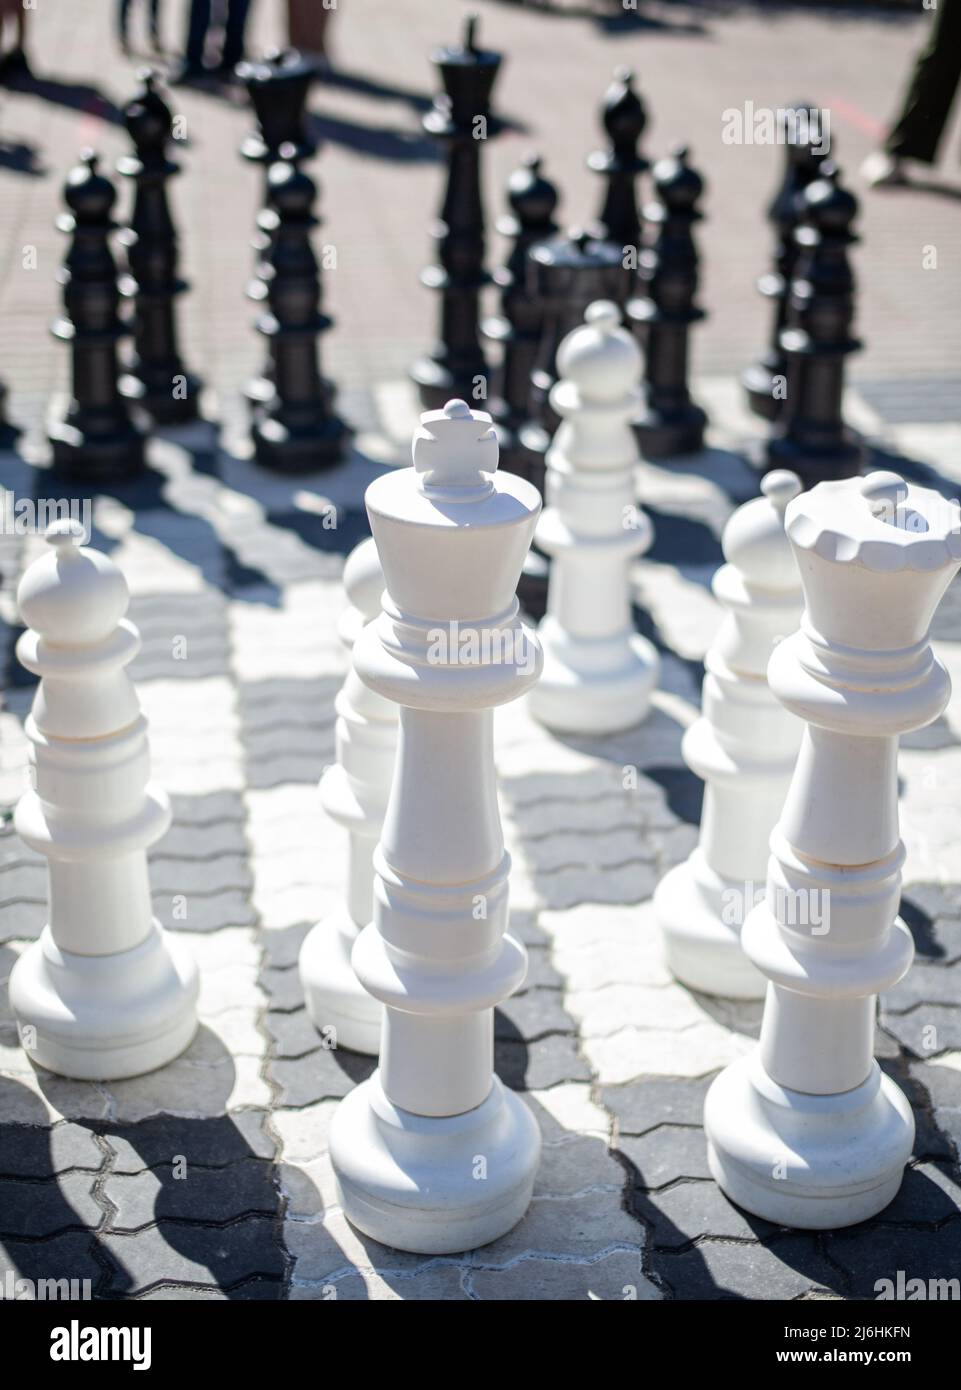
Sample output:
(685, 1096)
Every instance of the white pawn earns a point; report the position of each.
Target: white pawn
(598, 672)
(807, 1131)
(354, 792)
(744, 746)
(433, 1154)
(105, 992)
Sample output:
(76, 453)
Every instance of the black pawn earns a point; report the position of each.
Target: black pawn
(810, 437)
(97, 440)
(460, 120)
(157, 378)
(624, 118)
(296, 430)
(764, 380)
(670, 422)
(532, 199)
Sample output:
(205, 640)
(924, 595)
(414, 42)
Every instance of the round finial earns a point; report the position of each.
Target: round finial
(885, 492)
(678, 184)
(623, 113)
(86, 192)
(827, 204)
(780, 487)
(72, 596)
(456, 448)
(532, 197)
(754, 541)
(600, 358)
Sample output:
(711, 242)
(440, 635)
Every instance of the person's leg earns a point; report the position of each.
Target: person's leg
(233, 51)
(123, 18)
(197, 25)
(155, 21)
(917, 131)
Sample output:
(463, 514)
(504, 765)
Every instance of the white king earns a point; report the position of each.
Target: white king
(354, 793)
(807, 1131)
(744, 746)
(105, 992)
(432, 1154)
(598, 672)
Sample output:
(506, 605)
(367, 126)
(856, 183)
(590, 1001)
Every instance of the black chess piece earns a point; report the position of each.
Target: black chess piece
(532, 199)
(157, 379)
(9, 432)
(670, 422)
(97, 440)
(296, 429)
(624, 117)
(810, 436)
(460, 119)
(765, 379)
(564, 275)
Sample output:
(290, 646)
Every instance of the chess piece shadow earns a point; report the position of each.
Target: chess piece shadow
(374, 87)
(20, 158)
(83, 97)
(374, 141)
(921, 926)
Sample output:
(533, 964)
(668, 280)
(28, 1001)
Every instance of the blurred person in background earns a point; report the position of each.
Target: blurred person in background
(307, 22)
(123, 20)
(924, 113)
(13, 61)
(199, 17)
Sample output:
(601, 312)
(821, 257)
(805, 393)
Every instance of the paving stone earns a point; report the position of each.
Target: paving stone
(531, 1015)
(190, 1253)
(293, 1033)
(252, 1290)
(323, 1074)
(665, 1154)
(191, 1193)
(35, 1210)
(302, 1134)
(283, 987)
(651, 1101)
(32, 1151)
(435, 1283)
(207, 1143)
(930, 1193)
(204, 912)
(927, 1030)
(324, 1250)
(534, 1066)
(924, 984)
(75, 1255)
(281, 947)
(789, 1267)
(870, 1252)
(577, 1226)
(613, 1277)
(577, 1164)
(690, 1210)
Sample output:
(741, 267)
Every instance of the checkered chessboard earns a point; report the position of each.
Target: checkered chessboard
(210, 1178)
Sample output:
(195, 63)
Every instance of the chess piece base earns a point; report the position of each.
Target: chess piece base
(105, 458)
(412, 1181)
(334, 996)
(103, 1018)
(703, 950)
(815, 464)
(159, 401)
(590, 685)
(669, 434)
(299, 451)
(758, 381)
(843, 1154)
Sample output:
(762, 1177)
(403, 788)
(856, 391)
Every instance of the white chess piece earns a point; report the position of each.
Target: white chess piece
(598, 672)
(807, 1131)
(106, 992)
(354, 792)
(744, 746)
(433, 1154)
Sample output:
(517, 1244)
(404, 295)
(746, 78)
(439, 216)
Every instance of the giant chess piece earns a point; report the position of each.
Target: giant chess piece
(297, 429)
(354, 792)
(598, 672)
(744, 746)
(460, 120)
(810, 436)
(517, 328)
(620, 165)
(670, 423)
(806, 1131)
(97, 439)
(432, 1154)
(157, 379)
(105, 993)
(764, 381)
(9, 432)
